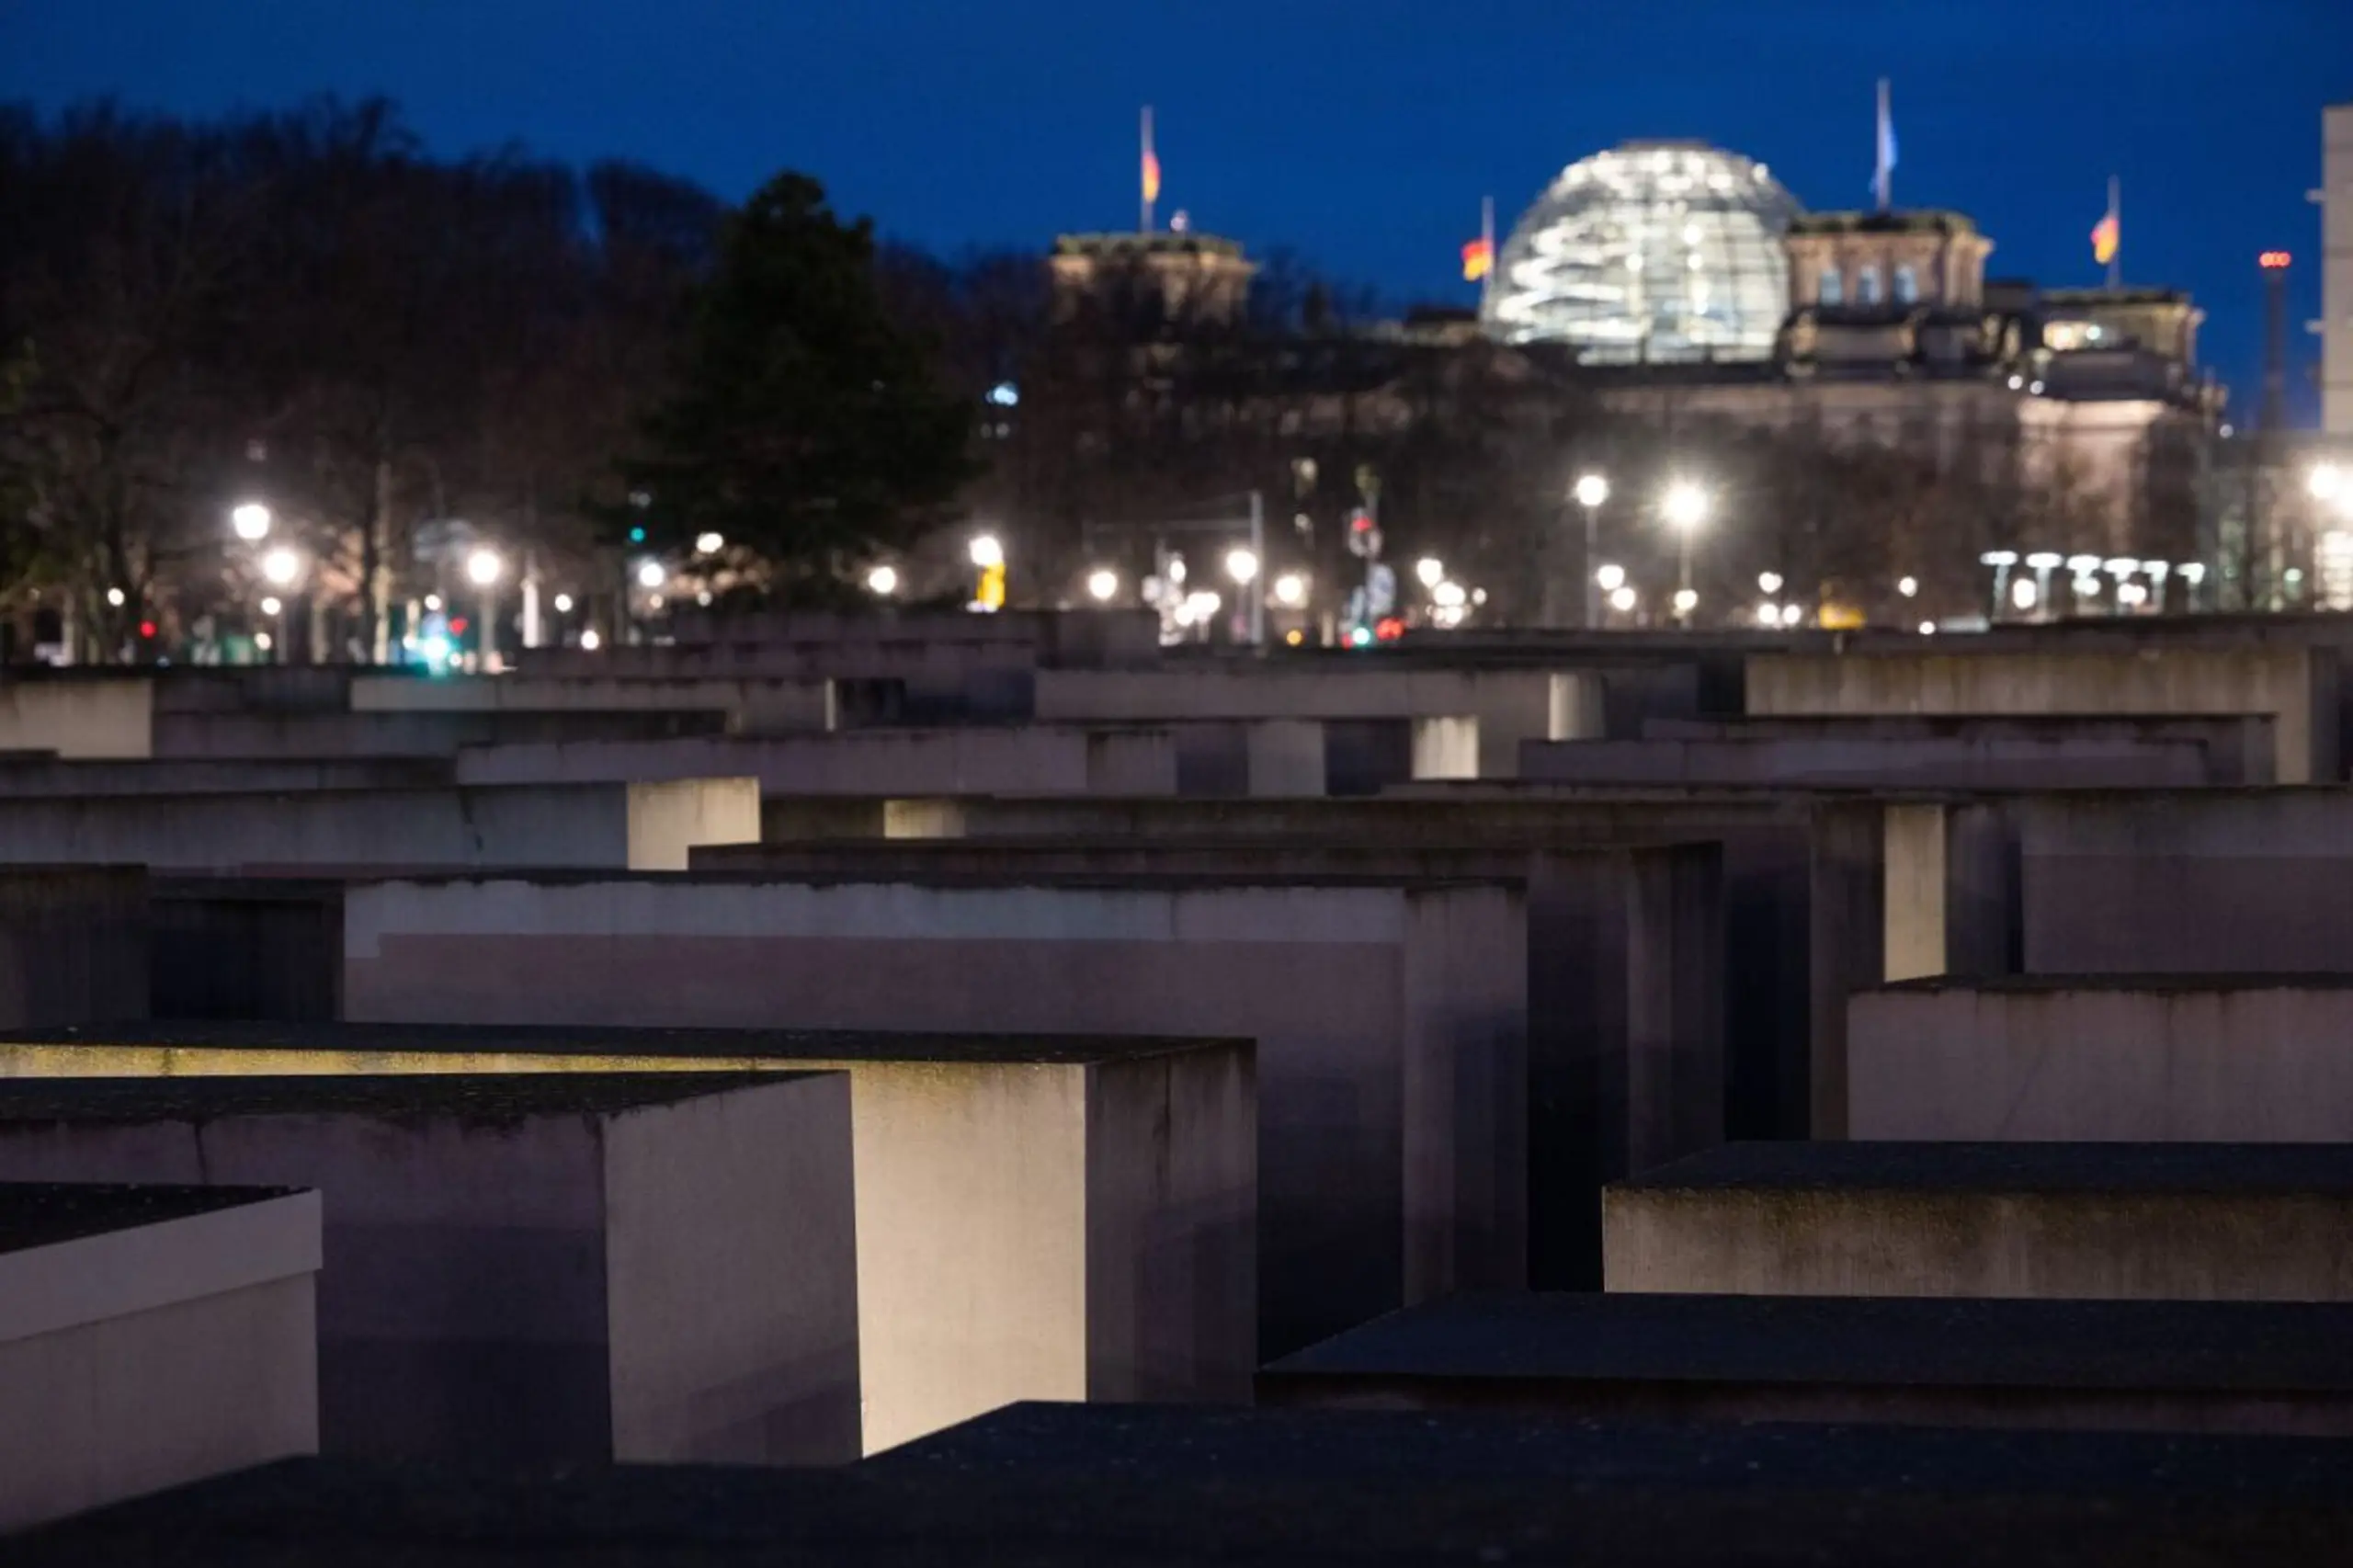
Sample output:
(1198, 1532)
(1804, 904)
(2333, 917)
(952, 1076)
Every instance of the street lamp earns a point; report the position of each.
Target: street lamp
(1290, 590)
(651, 575)
(1686, 507)
(1102, 583)
(1622, 598)
(1240, 564)
(484, 568)
(1686, 601)
(564, 604)
(1769, 582)
(1591, 490)
(987, 552)
(883, 581)
(2326, 482)
(281, 566)
(1908, 587)
(252, 520)
(1610, 577)
(1430, 571)
(708, 543)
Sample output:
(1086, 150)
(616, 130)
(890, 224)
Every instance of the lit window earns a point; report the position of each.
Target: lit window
(1907, 286)
(1866, 286)
(1833, 290)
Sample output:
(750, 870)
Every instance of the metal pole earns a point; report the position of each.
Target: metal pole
(1256, 586)
(1592, 585)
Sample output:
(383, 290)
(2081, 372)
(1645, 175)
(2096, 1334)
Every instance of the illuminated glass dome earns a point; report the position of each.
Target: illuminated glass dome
(1653, 251)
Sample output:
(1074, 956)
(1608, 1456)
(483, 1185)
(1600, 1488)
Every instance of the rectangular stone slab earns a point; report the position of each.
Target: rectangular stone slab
(2210, 1221)
(1391, 1021)
(148, 1336)
(2255, 1366)
(2258, 1059)
(579, 1267)
(1039, 1217)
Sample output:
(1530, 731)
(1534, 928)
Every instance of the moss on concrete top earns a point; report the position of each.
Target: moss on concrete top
(781, 1045)
(502, 1099)
(42, 1213)
(2113, 1169)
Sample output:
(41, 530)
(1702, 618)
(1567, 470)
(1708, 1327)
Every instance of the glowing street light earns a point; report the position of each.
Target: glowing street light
(281, 566)
(1102, 583)
(1290, 590)
(1908, 587)
(564, 604)
(1622, 598)
(651, 575)
(2326, 482)
(1430, 571)
(1448, 596)
(590, 641)
(1242, 564)
(1610, 577)
(1686, 601)
(1685, 507)
(883, 581)
(251, 520)
(1591, 490)
(117, 598)
(708, 543)
(483, 567)
(1768, 582)
(273, 605)
(1792, 614)
(987, 552)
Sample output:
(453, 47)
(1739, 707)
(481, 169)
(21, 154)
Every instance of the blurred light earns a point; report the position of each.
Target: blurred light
(1768, 615)
(281, 566)
(637, 535)
(1768, 582)
(2133, 593)
(2017, 384)
(650, 574)
(433, 602)
(1928, 629)
(1448, 596)
(1686, 600)
(116, 597)
(654, 602)
(2192, 572)
(1005, 394)
(2044, 560)
(1686, 506)
(2276, 261)
(436, 649)
(1360, 637)
(458, 625)
(708, 543)
(2035, 387)
(1242, 565)
(483, 566)
(2023, 592)
(1290, 590)
(251, 520)
(2121, 566)
(146, 629)
(1998, 558)
(703, 598)
(2086, 588)
(1792, 614)
(987, 550)
(590, 641)
(1622, 598)
(1908, 587)
(272, 605)
(262, 641)
(1478, 596)
(564, 604)
(2082, 565)
(1429, 571)
(1102, 583)
(1294, 637)
(882, 581)
(1592, 491)
(1176, 570)
(1610, 578)
(2325, 481)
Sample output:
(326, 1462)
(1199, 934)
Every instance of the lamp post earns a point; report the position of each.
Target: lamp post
(251, 520)
(1686, 508)
(484, 569)
(1242, 565)
(1591, 490)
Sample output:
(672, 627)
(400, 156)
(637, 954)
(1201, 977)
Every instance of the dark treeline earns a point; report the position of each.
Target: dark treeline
(305, 309)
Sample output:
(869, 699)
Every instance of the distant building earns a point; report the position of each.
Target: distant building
(1176, 276)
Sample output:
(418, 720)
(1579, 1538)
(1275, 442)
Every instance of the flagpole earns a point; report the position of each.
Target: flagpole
(1146, 163)
(2115, 216)
(1886, 173)
(1487, 238)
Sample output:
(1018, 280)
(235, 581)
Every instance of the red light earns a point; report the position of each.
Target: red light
(458, 627)
(1389, 628)
(146, 629)
(1359, 522)
(2273, 260)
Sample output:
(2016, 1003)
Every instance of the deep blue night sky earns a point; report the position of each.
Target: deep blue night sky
(1360, 132)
